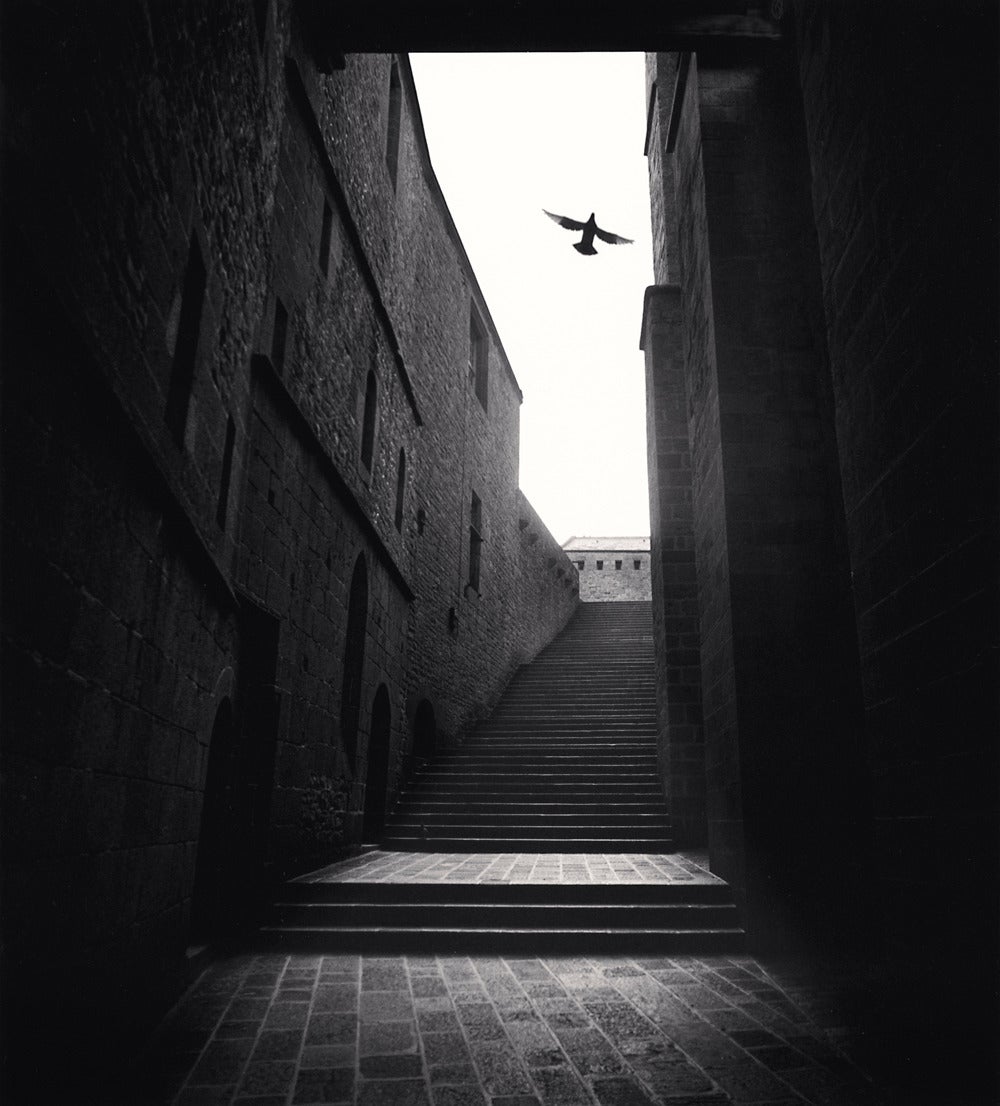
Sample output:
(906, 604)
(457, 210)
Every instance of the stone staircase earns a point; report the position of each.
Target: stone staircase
(567, 762)
(565, 765)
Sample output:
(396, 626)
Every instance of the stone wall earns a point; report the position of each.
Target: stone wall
(613, 575)
(835, 272)
(236, 383)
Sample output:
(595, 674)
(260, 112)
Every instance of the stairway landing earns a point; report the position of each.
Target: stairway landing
(386, 866)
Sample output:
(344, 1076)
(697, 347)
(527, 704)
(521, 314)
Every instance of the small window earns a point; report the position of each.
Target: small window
(475, 540)
(222, 507)
(600, 565)
(392, 128)
(637, 565)
(581, 565)
(186, 343)
(618, 566)
(368, 425)
(479, 358)
(400, 489)
(324, 239)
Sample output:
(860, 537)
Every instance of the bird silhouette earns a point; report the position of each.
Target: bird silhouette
(590, 230)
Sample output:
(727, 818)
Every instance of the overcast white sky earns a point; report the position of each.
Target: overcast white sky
(510, 134)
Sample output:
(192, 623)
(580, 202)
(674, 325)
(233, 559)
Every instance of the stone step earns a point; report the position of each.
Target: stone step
(491, 914)
(499, 941)
(411, 806)
(484, 842)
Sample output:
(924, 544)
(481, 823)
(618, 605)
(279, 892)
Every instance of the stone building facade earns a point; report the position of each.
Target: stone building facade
(263, 540)
(611, 569)
(821, 355)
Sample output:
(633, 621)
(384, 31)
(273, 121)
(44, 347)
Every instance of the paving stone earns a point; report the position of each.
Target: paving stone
(286, 1015)
(393, 1092)
(515, 1100)
(332, 1029)
(560, 1087)
(566, 1019)
(390, 1067)
(385, 1006)
(426, 986)
(748, 1082)
(499, 1068)
(445, 1048)
(380, 1038)
(221, 1062)
(333, 1085)
(452, 1073)
(465, 1094)
(620, 1092)
(327, 1056)
(437, 1021)
(247, 1009)
(619, 1019)
(781, 1058)
(590, 1052)
(267, 1078)
(232, 1030)
(278, 1044)
(384, 977)
(335, 999)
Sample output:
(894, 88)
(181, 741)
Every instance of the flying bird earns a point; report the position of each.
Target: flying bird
(590, 229)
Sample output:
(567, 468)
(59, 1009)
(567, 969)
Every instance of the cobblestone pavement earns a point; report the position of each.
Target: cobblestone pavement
(273, 1030)
(380, 866)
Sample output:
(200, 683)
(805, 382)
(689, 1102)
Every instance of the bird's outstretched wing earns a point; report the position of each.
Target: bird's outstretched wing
(564, 221)
(612, 239)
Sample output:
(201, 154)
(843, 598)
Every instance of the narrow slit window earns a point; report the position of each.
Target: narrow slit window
(368, 424)
(400, 489)
(475, 541)
(186, 346)
(227, 472)
(479, 358)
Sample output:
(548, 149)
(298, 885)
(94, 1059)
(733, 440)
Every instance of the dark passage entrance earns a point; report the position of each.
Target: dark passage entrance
(211, 881)
(424, 731)
(377, 778)
(230, 869)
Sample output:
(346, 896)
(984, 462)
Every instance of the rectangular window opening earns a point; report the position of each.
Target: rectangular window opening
(600, 565)
(637, 565)
(479, 358)
(227, 472)
(581, 565)
(618, 566)
(186, 346)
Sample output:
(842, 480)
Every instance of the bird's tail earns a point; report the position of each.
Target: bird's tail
(581, 248)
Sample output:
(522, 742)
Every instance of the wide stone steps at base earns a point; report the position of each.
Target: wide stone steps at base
(565, 765)
(503, 918)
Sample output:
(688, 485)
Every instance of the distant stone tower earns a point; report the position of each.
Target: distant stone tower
(611, 569)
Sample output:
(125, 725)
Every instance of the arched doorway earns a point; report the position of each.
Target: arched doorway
(377, 778)
(424, 731)
(209, 900)
(354, 659)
